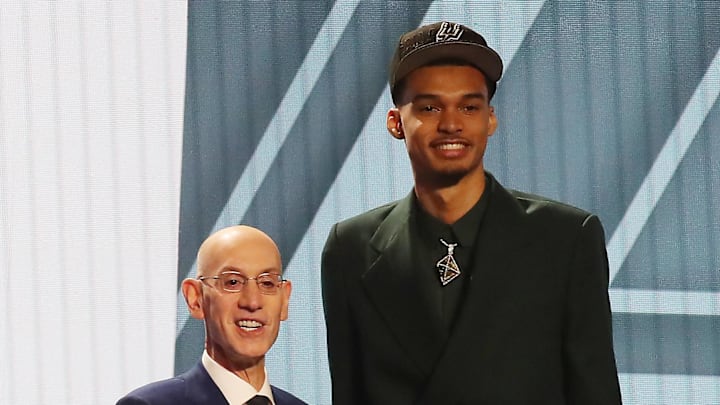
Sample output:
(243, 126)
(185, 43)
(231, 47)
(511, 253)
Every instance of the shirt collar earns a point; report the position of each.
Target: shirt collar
(235, 390)
(464, 230)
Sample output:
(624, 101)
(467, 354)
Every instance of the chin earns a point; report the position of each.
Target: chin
(253, 350)
(247, 357)
(459, 170)
(450, 174)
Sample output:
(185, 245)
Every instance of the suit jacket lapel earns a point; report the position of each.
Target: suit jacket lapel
(200, 387)
(396, 290)
(501, 234)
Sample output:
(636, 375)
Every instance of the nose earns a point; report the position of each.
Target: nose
(450, 121)
(250, 298)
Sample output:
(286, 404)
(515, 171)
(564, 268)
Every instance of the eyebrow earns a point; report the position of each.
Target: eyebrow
(431, 96)
(237, 270)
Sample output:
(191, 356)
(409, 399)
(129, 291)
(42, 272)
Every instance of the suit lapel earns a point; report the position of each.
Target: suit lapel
(283, 397)
(200, 387)
(502, 233)
(395, 288)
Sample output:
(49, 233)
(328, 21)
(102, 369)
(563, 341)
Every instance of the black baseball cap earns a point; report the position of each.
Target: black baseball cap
(444, 41)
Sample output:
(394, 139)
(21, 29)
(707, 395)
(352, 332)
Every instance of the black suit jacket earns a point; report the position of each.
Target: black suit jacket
(534, 327)
(194, 387)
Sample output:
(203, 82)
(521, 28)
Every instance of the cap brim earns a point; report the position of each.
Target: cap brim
(482, 57)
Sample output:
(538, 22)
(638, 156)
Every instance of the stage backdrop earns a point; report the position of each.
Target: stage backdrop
(129, 131)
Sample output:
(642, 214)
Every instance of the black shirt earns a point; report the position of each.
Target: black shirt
(446, 299)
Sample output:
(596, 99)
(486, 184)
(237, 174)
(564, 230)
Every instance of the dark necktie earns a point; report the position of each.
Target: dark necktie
(259, 400)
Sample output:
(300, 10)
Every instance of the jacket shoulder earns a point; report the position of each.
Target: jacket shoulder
(363, 225)
(169, 391)
(191, 387)
(543, 208)
(283, 397)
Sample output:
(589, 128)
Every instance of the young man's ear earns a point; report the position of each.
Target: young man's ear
(394, 124)
(493, 122)
(192, 290)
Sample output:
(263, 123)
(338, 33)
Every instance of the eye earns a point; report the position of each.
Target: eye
(269, 282)
(428, 108)
(471, 108)
(233, 280)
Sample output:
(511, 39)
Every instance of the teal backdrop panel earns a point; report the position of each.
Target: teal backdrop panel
(609, 106)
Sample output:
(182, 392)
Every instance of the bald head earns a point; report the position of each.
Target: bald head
(234, 241)
(241, 323)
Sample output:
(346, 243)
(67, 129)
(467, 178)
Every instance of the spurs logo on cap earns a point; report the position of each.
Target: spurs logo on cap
(448, 32)
(443, 41)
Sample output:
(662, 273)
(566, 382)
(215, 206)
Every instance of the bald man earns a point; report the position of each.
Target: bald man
(241, 296)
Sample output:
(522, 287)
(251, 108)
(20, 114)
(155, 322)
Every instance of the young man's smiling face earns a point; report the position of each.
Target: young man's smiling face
(445, 118)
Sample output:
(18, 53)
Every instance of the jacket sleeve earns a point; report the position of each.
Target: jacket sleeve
(591, 373)
(339, 323)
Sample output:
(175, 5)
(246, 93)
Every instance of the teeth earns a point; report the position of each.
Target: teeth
(247, 324)
(451, 146)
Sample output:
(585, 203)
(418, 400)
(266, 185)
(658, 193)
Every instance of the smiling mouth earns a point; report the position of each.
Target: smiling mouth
(451, 146)
(249, 325)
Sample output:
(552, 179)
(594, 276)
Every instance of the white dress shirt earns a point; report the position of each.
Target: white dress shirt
(235, 390)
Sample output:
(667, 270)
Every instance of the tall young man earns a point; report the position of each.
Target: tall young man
(464, 292)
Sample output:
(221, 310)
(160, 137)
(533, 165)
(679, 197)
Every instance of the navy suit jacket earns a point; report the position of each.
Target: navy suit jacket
(192, 387)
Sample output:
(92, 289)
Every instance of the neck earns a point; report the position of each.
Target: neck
(254, 375)
(448, 203)
(250, 370)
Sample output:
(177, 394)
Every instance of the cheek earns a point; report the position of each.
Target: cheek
(279, 312)
(489, 125)
(416, 125)
(413, 147)
(217, 312)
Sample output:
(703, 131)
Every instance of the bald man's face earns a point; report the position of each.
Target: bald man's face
(240, 326)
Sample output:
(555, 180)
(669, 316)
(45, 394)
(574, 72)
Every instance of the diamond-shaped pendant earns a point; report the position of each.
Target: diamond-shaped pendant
(447, 266)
